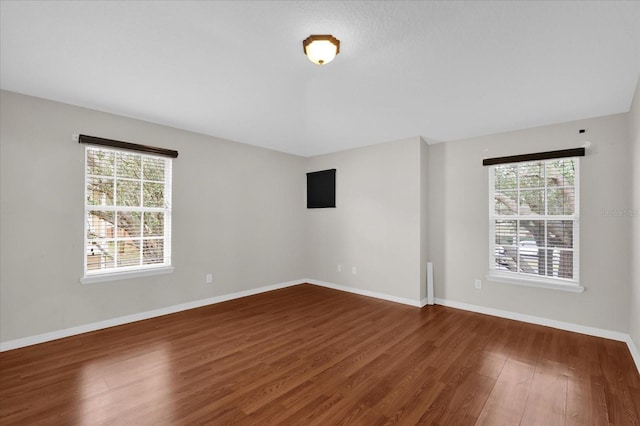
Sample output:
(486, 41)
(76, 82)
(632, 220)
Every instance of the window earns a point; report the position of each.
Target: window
(534, 222)
(127, 213)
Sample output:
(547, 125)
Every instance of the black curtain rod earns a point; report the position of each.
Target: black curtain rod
(548, 155)
(94, 140)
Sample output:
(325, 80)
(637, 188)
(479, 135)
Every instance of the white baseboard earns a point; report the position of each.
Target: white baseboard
(561, 325)
(635, 354)
(576, 328)
(368, 293)
(85, 328)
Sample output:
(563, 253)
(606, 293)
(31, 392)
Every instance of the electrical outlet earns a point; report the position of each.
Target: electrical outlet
(478, 284)
(339, 268)
(354, 271)
(209, 278)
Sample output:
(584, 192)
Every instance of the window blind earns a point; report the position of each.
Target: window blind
(127, 210)
(534, 227)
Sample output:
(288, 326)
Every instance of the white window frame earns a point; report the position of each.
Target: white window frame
(125, 272)
(525, 279)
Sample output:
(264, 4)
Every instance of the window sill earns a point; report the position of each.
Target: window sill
(573, 288)
(90, 279)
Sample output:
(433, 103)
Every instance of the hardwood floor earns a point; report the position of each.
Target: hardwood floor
(313, 356)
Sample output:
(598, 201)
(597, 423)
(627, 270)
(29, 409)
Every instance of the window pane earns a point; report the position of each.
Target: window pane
(505, 232)
(128, 253)
(506, 202)
(153, 251)
(531, 175)
(532, 201)
(530, 240)
(531, 232)
(564, 266)
(100, 255)
(561, 172)
(97, 248)
(153, 194)
(560, 233)
(561, 201)
(128, 193)
(505, 250)
(128, 165)
(100, 162)
(153, 169)
(129, 224)
(99, 192)
(100, 224)
(153, 224)
(506, 177)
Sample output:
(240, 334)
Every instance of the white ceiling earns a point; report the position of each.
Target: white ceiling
(440, 70)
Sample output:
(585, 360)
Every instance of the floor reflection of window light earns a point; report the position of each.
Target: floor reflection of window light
(136, 385)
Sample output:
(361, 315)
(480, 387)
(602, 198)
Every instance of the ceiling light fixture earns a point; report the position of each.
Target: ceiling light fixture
(321, 49)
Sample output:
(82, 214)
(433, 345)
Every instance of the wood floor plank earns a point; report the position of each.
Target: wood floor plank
(547, 399)
(308, 355)
(507, 401)
(461, 402)
(411, 410)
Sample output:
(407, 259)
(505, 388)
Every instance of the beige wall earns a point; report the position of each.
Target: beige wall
(634, 130)
(459, 224)
(376, 225)
(238, 213)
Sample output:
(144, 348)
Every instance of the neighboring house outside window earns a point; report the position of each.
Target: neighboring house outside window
(534, 227)
(127, 212)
